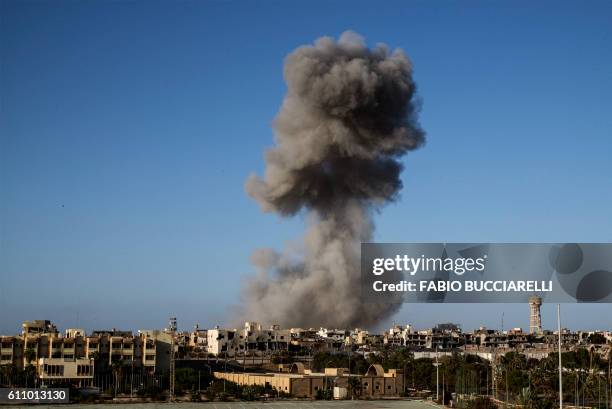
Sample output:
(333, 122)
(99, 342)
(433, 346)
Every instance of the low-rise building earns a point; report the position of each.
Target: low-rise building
(302, 383)
(79, 371)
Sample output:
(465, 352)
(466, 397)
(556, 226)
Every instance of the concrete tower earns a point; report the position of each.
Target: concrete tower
(535, 319)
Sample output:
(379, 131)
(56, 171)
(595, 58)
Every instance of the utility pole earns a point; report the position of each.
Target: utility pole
(487, 387)
(443, 388)
(609, 383)
(349, 369)
(246, 345)
(225, 375)
(437, 377)
(505, 369)
(560, 364)
(172, 330)
(172, 368)
(494, 374)
(437, 365)
(404, 382)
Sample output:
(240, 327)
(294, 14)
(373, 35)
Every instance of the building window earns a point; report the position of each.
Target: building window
(83, 370)
(150, 357)
(54, 370)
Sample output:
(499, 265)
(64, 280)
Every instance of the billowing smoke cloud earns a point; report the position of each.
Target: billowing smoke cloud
(348, 115)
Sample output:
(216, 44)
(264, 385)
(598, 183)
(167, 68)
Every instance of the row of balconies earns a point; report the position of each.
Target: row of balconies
(6, 359)
(60, 348)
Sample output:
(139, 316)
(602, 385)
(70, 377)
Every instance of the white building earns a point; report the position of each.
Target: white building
(250, 340)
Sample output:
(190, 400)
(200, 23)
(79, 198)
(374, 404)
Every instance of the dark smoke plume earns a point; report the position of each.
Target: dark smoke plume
(348, 115)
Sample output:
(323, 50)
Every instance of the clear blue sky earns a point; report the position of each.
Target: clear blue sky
(127, 130)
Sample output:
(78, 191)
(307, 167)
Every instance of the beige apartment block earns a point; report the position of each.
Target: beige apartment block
(40, 340)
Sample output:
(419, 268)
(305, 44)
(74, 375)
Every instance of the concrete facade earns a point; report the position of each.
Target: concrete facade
(248, 341)
(41, 344)
(80, 371)
(374, 383)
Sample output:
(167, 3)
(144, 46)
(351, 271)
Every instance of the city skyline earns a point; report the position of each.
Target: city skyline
(525, 323)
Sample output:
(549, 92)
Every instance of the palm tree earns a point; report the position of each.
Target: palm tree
(117, 367)
(29, 354)
(96, 358)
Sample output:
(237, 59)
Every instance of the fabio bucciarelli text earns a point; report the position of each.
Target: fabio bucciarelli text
(464, 286)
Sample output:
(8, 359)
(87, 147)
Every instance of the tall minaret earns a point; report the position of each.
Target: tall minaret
(535, 319)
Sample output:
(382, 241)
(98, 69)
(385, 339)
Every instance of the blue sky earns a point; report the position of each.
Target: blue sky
(127, 130)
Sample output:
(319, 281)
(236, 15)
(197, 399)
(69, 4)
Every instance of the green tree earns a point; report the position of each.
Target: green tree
(185, 379)
(597, 338)
(29, 354)
(354, 386)
(424, 374)
(249, 393)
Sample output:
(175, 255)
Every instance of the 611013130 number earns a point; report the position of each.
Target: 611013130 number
(34, 395)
